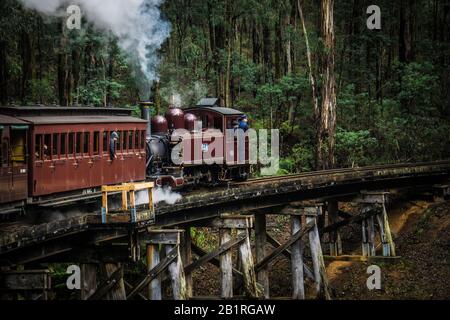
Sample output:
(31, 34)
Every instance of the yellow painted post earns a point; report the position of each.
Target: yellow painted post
(124, 200)
(104, 205)
(150, 198)
(133, 206)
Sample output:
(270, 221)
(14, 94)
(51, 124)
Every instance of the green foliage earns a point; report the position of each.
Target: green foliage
(354, 148)
(418, 86)
(95, 92)
(41, 91)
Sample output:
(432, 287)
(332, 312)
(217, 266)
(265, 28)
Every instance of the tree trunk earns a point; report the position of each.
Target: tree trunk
(291, 103)
(406, 53)
(110, 75)
(27, 67)
(312, 78)
(267, 52)
(327, 118)
(62, 68)
(76, 71)
(3, 74)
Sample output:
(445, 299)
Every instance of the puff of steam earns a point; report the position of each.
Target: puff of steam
(159, 195)
(137, 24)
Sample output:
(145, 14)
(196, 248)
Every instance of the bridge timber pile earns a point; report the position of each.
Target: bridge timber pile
(310, 199)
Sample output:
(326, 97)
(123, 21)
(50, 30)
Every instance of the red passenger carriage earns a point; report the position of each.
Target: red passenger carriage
(68, 151)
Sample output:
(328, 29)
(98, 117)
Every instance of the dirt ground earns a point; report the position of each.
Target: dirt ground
(422, 235)
(421, 232)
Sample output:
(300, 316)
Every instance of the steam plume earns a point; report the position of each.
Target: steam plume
(137, 24)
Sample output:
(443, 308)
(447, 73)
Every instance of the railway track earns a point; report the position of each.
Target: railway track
(335, 171)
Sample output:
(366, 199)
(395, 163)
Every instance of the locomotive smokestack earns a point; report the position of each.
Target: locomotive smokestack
(145, 115)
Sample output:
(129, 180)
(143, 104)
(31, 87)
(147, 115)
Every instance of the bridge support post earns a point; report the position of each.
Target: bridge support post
(169, 241)
(309, 214)
(117, 292)
(260, 243)
(242, 224)
(312, 214)
(368, 234)
(153, 259)
(176, 272)
(248, 268)
(186, 256)
(298, 283)
(375, 201)
(226, 266)
(334, 236)
(88, 280)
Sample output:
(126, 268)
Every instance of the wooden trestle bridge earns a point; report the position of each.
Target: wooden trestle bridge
(102, 243)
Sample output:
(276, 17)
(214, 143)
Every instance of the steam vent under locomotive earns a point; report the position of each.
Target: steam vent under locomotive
(53, 155)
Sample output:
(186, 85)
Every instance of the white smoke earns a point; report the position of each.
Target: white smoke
(137, 24)
(159, 195)
(59, 215)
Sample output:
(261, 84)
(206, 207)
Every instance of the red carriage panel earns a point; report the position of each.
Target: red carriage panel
(72, 153)
(222, 119)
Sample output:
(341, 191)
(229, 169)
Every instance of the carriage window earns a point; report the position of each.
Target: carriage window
(96, 143)
(130, 140)
(119, 141)
(105, 141)
(78, 143)
(86, 141)
(47, 145)
(37, 147)
(143, 139)
(18, 146)
(124, 141)
(136, 140)
(62, 146)
(205, 121)
(55, 145)
(218, 123)
(71, 143)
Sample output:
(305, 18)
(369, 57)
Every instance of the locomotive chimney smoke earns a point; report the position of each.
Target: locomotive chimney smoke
(145, 115)
(176, 100)
(137, 24)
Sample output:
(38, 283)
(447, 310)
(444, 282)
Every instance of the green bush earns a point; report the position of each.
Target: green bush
(354, 148)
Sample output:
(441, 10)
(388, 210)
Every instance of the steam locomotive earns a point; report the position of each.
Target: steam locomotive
(201, 127)
(54, 156)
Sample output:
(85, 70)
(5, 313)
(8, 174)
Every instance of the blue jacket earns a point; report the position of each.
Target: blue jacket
(243, 125)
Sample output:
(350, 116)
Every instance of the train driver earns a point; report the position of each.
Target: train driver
(243, 123)
(112, 145)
